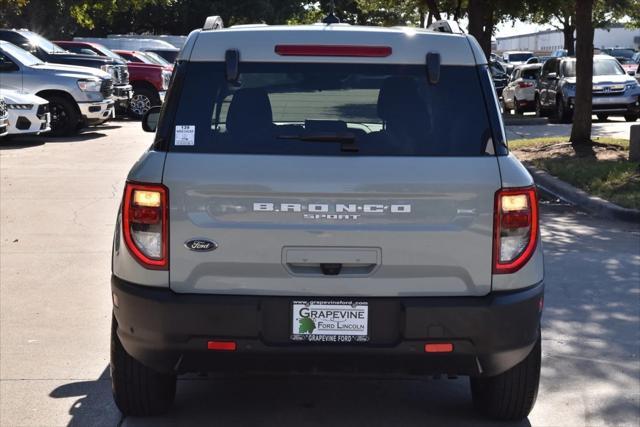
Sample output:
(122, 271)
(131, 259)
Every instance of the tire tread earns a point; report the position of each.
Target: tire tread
(511, 395)
(137, 389)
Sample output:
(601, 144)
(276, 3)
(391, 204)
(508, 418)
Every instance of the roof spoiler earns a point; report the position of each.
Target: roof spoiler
(446, 26)
(213, 23)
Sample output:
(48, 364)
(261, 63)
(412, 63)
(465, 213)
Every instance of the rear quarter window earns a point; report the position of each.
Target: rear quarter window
(330, 109)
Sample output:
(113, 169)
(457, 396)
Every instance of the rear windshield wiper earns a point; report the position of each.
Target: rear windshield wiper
(347, 141)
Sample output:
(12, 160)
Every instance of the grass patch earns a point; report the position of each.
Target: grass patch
(616, 181)
(516, 144)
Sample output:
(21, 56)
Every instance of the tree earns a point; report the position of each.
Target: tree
(485, 14)
(560, 14)
(581, 129)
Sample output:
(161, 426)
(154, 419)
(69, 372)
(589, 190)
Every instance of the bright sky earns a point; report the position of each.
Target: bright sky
(510, 29)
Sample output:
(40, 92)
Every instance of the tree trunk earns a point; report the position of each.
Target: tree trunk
(581, 129)
(456, 15)
(568, 29)
(432, 5)
(481, 23)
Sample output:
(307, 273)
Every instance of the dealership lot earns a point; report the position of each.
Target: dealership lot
(58, 199)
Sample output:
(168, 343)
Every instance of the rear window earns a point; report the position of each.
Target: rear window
(519, 57)
(530, 74)
(331, 109)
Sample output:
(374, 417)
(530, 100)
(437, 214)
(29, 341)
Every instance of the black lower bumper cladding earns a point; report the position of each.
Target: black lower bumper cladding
(169, 332)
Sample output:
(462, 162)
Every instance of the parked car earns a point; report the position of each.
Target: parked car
(516, 57)
(624, 56)
(4, 118)
(614, 92)
(519, 94)
(28, 114)
(560, 53)
(160, 47)
(78, 96)
(149, 81)
(620, 53)
(170, 55)
(158, 59)
(49, 52)
(499, 76)
(137, 57)
(328, 198)
(124, 43)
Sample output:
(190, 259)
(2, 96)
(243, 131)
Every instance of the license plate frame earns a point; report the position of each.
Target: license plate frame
(329, 321)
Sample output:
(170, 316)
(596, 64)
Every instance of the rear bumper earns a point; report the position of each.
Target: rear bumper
(169, 332)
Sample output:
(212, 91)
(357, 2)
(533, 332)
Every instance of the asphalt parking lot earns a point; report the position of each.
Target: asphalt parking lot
(58, 200)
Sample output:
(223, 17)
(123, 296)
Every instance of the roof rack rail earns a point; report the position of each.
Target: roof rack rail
(213, 22)
(446, 26)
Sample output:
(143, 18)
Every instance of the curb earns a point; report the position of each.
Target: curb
(575, 196)
(523, 120)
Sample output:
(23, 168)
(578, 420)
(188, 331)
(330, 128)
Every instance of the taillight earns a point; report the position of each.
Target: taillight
(515, 228)
(145, 223)
(525, 84)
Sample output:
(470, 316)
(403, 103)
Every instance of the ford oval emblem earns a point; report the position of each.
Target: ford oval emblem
(201, 245)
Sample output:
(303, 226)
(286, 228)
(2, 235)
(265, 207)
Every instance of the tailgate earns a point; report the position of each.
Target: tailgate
(331, 226)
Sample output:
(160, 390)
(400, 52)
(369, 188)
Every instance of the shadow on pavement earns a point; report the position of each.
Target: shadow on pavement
(321, 401)
(93, 405)
(290, 400)
(30, 141)
(592, 316)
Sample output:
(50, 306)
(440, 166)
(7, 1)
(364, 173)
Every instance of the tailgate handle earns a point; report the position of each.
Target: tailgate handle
(330, 269)
(328, 261)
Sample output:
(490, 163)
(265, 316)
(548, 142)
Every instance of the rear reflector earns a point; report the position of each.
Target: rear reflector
(221, 345)
(332, 50)
(438, 348)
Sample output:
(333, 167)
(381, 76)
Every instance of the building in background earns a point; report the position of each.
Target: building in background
(548, 41)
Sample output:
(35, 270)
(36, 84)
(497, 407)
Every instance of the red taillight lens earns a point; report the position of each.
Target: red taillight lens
(525, 84)
(515, 228)
(145, 223)
(332, 50)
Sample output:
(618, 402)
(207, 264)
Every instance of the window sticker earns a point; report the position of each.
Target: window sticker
(185, 135)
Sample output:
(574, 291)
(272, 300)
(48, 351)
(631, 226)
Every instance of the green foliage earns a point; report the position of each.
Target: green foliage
(517, 144)
(616, 181)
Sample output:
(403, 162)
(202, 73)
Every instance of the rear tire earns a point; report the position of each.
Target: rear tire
(631, 117)
(137, 389)
(511, 395)
(505, 110)
(518, 110)
(539, 110)
(65, 118)
(602, 117)
(562, 113)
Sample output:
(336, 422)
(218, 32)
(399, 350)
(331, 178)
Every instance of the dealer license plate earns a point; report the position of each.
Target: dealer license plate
(330, 321)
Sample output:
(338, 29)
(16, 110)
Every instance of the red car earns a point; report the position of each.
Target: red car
(150, 81)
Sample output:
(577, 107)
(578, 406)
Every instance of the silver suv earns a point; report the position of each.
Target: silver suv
(317, 198)
(78, 96)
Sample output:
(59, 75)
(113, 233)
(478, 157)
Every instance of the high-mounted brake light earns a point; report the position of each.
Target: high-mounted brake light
(332, 50)
(515, 228)
(145, 223)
